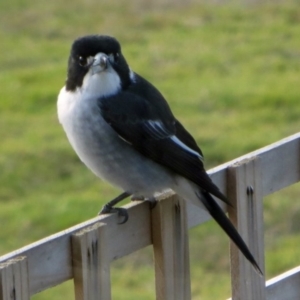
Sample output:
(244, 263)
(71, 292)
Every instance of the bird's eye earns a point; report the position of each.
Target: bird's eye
(82, 61)
(117, 55)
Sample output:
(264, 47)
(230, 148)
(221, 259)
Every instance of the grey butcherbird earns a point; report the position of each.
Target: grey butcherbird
(123, 130)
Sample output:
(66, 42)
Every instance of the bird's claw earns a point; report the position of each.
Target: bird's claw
(122, 212)
(109, 208)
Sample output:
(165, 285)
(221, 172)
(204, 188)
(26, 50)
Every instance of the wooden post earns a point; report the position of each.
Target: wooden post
(245, 191)
(91, 263)
(14, 283)
(171, 250)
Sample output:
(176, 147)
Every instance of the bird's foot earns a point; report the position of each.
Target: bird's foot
(151, 200)
(109, 207)
(122, 212)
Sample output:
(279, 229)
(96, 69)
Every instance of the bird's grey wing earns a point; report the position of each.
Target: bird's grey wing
(162, 140)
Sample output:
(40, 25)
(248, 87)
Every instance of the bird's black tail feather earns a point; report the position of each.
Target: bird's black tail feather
(217, 213)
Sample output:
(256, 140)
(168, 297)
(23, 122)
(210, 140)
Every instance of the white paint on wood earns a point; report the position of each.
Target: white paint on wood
(247, 216)
(285, 286)
(91, 263)
(14, 279)
(171, 250)
(50, 262)
(50, 259)
(280, 165)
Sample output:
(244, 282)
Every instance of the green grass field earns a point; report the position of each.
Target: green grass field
(231, 75)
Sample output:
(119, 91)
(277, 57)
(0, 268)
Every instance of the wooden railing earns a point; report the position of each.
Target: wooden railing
(84, 252)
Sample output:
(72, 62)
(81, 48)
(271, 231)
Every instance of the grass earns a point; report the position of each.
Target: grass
(231, 75)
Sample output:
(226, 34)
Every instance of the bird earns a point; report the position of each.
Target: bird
(122, 128)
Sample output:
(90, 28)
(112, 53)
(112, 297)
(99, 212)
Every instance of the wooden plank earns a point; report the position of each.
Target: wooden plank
(245, 190)
(280, 165)
(285, 286)
(49, 260)
(14, 283)
(91, 263)
(171, 250)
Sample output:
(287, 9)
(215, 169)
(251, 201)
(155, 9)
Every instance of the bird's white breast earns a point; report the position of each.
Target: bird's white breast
(103, 151)
(87, 131)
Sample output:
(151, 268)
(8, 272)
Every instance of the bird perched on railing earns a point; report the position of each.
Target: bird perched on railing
(123, 130)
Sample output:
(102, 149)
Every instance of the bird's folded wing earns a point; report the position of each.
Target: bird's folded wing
(163, 140)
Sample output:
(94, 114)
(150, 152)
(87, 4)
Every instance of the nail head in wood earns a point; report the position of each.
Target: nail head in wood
(250, 190)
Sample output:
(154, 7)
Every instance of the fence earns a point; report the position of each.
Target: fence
(84, 252)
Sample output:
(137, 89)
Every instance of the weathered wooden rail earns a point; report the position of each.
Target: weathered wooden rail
(84, 252)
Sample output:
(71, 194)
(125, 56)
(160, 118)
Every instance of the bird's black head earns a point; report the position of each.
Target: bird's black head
(100, 53)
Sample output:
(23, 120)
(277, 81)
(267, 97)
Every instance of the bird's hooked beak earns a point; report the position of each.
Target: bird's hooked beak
(99, 63)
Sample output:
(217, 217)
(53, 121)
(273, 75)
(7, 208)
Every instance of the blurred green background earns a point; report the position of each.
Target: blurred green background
(230, 72)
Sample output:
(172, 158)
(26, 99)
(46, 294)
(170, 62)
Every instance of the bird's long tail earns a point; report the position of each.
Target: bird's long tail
(217, 213)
